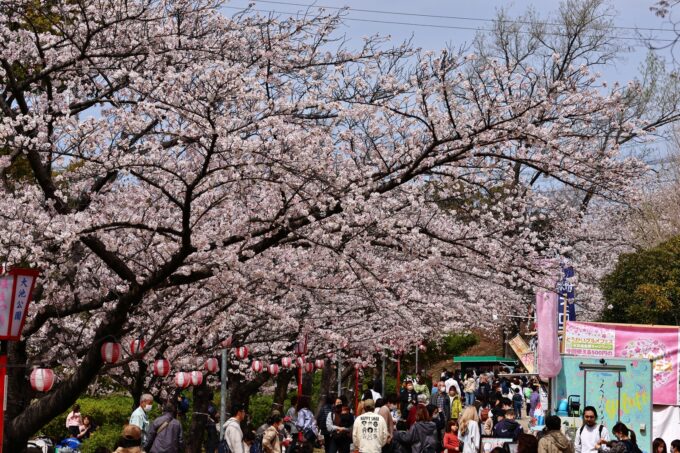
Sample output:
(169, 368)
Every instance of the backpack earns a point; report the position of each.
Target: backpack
(257, 444)
(426, 446)
(223, 447)
(599, 430)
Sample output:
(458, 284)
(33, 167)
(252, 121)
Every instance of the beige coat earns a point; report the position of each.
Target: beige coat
(271, 443)
(555, 442)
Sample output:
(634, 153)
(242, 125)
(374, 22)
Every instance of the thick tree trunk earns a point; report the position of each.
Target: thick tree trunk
(242, 391)
(281, 391)
(202, 397)
(23, 419)
(137, 389)
(327, 381)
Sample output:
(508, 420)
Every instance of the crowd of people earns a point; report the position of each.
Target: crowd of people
(453, 416)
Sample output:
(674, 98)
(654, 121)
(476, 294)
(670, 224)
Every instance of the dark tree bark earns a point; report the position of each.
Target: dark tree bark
(281, 391)
(22, 419)
(137, 389)
(327, 381)
(202, 397)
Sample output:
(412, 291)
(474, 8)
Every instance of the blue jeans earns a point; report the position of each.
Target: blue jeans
(518, 410)
(469, 398)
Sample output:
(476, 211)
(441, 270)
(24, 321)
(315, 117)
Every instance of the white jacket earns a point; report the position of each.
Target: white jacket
(369, 433)
(234, 436)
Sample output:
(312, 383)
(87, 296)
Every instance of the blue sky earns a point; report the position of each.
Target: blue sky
(435, 34)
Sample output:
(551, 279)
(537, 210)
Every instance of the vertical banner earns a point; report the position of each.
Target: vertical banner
(549, 361)
(656, 343)
(3, 396)
(566, 293)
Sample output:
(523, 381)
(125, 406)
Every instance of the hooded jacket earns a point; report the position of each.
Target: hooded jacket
(507, 428)
(555, 442)
(422, 437)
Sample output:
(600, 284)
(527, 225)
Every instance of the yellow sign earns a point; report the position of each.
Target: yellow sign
(526, 356)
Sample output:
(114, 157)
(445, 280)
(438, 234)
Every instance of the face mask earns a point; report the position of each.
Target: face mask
(409, 388)
(442, 389)
(148, 407)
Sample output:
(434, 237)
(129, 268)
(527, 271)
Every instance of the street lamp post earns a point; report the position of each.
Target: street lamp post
(16, 290)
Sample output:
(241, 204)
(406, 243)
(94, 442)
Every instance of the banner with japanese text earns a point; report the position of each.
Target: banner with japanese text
(524, 353)
(658, 343)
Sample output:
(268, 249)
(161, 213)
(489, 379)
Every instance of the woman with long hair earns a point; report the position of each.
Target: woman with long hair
(468, 432)
(659, 446)
(626, 441)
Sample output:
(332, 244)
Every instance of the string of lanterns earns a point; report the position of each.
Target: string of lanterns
(42, 379)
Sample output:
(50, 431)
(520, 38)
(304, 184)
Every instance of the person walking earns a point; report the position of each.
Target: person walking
(508, 426)
(517, 402)
(165, 433)
(232, 429)
(139, 417)
(369, 433)
(469, 387)
(422, 436)
(339, 425)
(553, 441)
(409, 398)
(271, 440)
(74, 421)
(385, 411)
(441, 400)
(591, 435)
(468, 433)
(451, 441)
(455, 403)
(322, 417)
(308, 431)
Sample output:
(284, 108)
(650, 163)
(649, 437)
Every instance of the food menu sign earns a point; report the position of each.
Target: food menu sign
(658, 343)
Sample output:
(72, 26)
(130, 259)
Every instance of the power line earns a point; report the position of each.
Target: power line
(435, 16)
(449, 27)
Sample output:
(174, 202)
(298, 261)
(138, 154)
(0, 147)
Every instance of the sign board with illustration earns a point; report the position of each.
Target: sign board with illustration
(619, 389)
(656, 343)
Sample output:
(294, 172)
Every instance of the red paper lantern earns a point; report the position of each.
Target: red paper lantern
(241, 353)
(257, 366)
(137, 347)
(273, 369)
(319, 364)
(161, 367)
(196, 378)
(212, 365)
(309, 367)
(226, 343)
(42, 379)
(110, 352)
(182, 379)
(286, 362)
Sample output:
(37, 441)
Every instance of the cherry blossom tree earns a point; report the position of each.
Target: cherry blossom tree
(193, 175)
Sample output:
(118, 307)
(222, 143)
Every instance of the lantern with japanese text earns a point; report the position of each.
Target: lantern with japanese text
(110, 352)
(196, 378)
(16, 291)
(212, 365)
(42, 379)
(161, 367)
(241, 352)
(273, 369)
(257, 366)
(286, 362)
(182, 379)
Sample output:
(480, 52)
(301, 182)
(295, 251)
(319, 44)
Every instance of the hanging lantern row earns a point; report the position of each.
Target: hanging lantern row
(161, 367)
(212, 365)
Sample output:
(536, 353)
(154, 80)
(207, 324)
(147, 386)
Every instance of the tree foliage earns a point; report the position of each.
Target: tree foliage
(644, 288)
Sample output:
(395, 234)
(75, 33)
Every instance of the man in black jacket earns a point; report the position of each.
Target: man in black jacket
(165, 433)
(321, 418)
(508, 426)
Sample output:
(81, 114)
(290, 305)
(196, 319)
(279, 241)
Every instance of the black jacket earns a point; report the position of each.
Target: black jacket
(422, 437)
(507, 428)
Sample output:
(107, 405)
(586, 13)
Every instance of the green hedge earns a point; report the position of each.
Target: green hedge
(110, 414)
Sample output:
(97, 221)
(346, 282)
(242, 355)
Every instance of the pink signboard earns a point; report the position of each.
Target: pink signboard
(658, 343)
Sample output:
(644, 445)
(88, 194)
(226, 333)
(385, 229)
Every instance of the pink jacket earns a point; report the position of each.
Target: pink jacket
(73, 419)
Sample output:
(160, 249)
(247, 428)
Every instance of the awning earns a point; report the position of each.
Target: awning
(483, 359)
